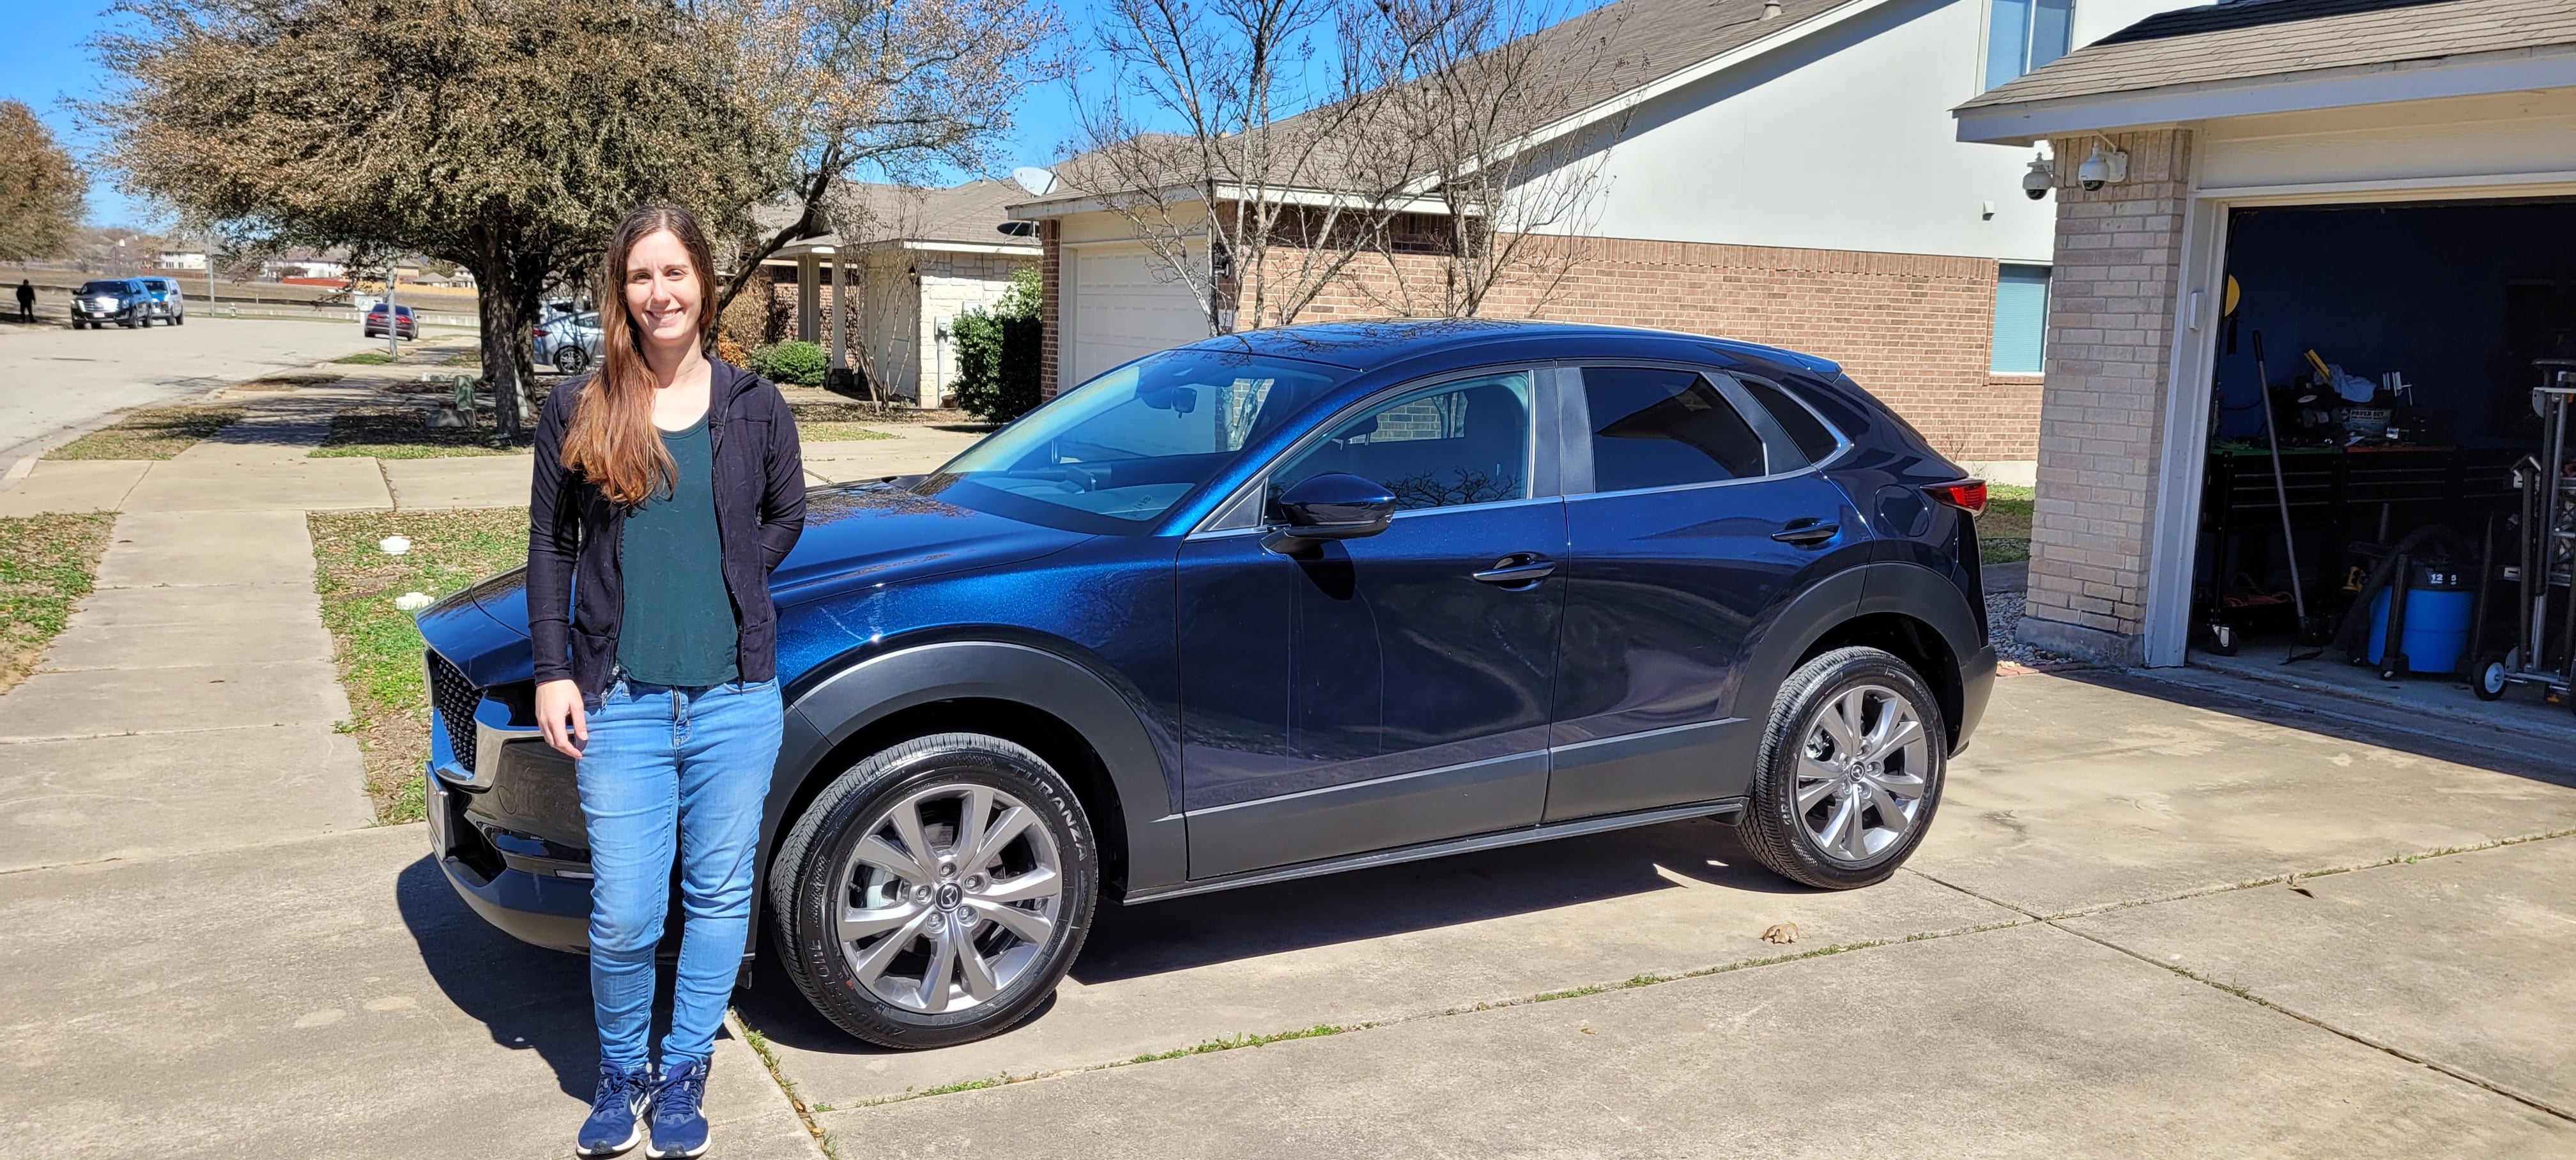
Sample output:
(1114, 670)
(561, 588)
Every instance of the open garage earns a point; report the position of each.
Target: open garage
(2311, 341)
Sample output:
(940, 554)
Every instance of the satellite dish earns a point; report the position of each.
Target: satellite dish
(1037, 181)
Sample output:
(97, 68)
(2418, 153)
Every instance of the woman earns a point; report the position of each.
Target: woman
(667, 487)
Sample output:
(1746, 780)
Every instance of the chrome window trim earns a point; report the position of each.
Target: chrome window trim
(1219, 523)
(1578, 413)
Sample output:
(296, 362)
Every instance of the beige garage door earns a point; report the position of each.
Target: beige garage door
(1121, 310)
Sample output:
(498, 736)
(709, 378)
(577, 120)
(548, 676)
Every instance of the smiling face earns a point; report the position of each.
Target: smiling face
(664, 291)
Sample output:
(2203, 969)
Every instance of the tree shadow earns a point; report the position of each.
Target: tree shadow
(1128, 942)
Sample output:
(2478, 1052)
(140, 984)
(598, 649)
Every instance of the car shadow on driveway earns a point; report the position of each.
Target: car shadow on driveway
(1128, 942)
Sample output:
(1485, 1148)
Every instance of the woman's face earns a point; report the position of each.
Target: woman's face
(663, 293)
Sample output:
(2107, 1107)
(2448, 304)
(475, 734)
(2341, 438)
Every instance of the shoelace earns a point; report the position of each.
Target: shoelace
(681, 1093)
(616, 1085)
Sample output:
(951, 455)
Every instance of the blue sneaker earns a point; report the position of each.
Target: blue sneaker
(616, 1120)
(679, 1127)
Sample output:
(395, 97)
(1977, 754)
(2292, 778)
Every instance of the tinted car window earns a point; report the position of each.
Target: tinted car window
(107, 288)
(1445, 446)
(1815, 440)
(1114, 454)
(1664, 428)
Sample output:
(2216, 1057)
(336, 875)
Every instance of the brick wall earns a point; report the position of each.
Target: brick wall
(2110, 331)
(1916, 330)
(1051, 236)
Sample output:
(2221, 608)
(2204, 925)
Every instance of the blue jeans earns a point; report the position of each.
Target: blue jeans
(670, 771)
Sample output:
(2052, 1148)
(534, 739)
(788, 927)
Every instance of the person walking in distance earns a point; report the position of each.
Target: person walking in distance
(26, 300)
(668, 485)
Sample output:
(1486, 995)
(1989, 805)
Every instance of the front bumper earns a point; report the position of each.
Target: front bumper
(535, 886)
(85, 312)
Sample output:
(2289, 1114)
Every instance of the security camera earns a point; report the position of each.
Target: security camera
(2035, 184)
(2102, 169)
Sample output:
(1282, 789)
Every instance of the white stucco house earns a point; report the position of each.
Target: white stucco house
(1788, 172)
(883, 297)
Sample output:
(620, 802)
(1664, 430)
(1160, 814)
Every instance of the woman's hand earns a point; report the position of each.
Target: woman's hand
(559, 715)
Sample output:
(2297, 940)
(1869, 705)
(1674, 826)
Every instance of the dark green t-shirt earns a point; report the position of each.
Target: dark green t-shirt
(679, 626)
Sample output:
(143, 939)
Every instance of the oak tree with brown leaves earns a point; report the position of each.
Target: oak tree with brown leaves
(42, 189)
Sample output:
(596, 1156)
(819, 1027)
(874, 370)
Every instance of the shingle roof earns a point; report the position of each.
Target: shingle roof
(970, 213)
(2246, 39)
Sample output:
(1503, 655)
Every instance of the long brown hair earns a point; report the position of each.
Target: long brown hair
(611, 440)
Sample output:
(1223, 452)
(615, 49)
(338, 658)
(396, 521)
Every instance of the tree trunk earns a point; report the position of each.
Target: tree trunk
(505, 345)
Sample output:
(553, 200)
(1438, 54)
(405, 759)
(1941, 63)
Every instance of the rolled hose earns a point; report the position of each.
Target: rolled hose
(2353, 636)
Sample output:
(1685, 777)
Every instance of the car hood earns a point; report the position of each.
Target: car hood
(856, 536)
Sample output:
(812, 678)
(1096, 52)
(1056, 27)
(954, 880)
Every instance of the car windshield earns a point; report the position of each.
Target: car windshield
(105, 287)
(1113, 455)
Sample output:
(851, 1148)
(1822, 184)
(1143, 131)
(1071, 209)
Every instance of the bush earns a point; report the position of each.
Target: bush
(998, 353)
(794, 364)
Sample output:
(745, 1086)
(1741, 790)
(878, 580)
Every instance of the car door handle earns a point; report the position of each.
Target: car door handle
(1517, 569)
(1804, 532)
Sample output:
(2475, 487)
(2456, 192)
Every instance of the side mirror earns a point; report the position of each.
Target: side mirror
(1333, 506)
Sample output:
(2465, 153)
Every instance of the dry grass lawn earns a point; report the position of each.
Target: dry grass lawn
(155, 433)
(47, 563)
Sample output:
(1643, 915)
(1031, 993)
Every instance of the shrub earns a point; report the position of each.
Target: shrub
(997, 365)
(798, 364)
(998, 353)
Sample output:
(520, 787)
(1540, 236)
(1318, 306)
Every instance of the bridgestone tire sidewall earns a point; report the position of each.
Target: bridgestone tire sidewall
(1772, 828)
(802, 893)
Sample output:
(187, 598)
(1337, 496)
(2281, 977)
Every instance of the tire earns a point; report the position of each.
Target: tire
(849, 845)
(572, 360)
(1817, 844)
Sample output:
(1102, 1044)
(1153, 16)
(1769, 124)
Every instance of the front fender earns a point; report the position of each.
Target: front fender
(839, 706)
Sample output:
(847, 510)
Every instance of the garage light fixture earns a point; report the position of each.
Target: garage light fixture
(2102, 168)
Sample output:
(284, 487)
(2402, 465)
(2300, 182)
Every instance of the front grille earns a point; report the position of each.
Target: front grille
(455, 698)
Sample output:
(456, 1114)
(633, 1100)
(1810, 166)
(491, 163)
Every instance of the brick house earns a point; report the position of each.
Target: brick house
(1786, 173)
(2392, 182)
(916, 259)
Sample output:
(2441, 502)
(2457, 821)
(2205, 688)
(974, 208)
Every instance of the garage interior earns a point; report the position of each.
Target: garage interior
(2416, 356)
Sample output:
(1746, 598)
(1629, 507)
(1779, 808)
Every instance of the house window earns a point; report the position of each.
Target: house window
(2021, 319)
(2022, 35)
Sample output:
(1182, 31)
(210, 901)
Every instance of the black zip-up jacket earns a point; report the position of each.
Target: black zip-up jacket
(574, 533)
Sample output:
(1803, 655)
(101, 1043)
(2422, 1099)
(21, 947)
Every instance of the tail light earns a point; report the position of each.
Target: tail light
(1967, 495)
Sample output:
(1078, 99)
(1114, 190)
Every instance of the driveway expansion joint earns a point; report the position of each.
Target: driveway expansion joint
(2055, 922)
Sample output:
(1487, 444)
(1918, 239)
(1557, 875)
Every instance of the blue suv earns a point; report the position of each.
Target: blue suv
(1293, 602)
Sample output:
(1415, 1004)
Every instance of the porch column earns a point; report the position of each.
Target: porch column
(840, 312)
(809, 299)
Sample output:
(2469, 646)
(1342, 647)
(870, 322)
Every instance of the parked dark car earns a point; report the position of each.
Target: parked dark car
(123, 301)
(169, 303)
(403, 325)
(1287, 603)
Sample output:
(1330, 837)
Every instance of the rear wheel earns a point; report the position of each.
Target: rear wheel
(1850, 770)
(572, 360)
(936, 892)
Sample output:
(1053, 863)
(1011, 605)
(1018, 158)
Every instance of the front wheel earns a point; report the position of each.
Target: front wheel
(936, 892)
(572, 360)
(1850, 770)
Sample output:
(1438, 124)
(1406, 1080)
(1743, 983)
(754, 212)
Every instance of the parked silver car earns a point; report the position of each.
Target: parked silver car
(570, 341)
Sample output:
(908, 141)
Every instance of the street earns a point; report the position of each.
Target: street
(53, 378)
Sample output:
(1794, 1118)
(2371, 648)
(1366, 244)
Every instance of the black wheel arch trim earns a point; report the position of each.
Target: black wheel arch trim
(1878, 587)
(838, 700)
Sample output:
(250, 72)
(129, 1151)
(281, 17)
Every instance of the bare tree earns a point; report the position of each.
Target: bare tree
(894, 86)
(1283, 169)
(42, 191)
(1511, 111)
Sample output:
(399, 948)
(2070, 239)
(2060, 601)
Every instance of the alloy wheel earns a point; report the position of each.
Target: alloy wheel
(1861, 771)
(948, 898)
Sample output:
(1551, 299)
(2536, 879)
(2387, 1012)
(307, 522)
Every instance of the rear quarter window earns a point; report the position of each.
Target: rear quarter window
(1811, 435)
